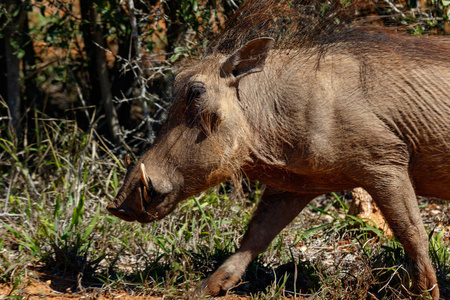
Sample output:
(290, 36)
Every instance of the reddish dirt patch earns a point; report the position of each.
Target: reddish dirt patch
(42, 290)
(41, 287)
(36, 289)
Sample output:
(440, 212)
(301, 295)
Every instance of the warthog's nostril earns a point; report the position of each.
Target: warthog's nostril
(122, 213)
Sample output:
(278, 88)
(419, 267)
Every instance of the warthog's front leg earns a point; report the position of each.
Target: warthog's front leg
(394, 194)
(274, 212)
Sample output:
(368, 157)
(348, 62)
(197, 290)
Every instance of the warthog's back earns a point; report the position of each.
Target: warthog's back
(413, 88)
(392, 100)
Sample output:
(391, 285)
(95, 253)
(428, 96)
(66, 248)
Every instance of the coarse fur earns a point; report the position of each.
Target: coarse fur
(309, 114)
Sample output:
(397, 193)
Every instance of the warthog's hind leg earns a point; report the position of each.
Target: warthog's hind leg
(274, 212)
(394, 194)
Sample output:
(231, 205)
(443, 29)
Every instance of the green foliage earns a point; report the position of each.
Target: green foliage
(50, 223)
(440, 252)
(57, 179)
(62, 224)
(433, 17)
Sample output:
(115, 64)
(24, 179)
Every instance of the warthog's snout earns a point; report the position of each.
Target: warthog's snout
(122, 213)
(125, 211)
(136, 201)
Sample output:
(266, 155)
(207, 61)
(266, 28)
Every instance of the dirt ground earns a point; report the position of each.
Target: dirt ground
(37, 289)
(43, 286)
(42, 290)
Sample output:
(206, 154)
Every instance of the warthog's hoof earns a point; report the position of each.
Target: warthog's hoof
(426, 287)
(219, 282)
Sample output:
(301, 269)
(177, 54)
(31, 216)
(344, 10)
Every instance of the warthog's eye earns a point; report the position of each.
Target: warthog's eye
(195, 91)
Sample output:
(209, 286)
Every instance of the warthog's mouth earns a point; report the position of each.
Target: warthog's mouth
(131, 210)
(129, 215)
(122, 213)
(143, 205)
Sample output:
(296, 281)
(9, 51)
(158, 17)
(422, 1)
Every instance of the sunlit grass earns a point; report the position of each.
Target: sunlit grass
(56, 187)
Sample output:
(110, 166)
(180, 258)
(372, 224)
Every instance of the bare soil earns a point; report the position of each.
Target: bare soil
(49, 289)
(40, 283)
(43, 290)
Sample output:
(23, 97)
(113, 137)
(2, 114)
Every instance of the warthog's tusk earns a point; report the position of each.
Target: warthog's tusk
(144, 177)
(146, 181)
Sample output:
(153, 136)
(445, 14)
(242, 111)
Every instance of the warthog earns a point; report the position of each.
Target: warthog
(352, 109)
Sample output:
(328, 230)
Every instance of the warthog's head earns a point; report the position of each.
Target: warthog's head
(204, 141)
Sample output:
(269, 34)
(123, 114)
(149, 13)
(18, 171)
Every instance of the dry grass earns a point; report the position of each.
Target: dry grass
(55, 188)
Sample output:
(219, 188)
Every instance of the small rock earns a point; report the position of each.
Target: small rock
(435, 212)
(364, 207)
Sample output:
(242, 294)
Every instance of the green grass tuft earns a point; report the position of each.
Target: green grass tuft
(53, 219)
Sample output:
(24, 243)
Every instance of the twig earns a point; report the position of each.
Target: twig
(390, 278)
(137, 49)
(234, 4)
(8, 193)
(10, 215)
(394, 8)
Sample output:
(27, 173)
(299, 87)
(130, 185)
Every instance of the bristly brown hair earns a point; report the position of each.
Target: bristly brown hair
(293, 24)
(320, 25)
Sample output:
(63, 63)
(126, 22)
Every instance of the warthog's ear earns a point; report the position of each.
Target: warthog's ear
(250, 58)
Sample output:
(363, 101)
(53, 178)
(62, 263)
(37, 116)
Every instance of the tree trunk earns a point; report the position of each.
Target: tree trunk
(3, 72)
(102, 71)
(12, 33)
(98, 69)
(32, 93)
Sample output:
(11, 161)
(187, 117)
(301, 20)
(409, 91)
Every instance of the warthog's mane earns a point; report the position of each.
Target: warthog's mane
(293, 24)
(316, 26)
